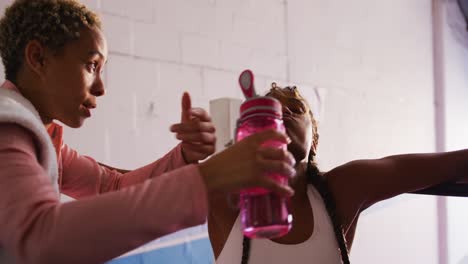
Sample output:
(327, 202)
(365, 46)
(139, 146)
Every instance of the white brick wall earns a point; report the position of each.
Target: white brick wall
(369, 61)
(119, 32)
(200, 50)
(373, 62)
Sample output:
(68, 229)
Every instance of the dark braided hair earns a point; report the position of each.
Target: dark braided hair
(314, 177)
(245, 250)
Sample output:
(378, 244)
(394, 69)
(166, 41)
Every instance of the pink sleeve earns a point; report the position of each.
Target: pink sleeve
(36, 228)
(82, 176)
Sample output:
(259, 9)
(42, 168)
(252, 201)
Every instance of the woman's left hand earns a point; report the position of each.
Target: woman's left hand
(196, 131)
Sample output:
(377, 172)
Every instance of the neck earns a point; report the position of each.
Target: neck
(28, 88)
(300, 181)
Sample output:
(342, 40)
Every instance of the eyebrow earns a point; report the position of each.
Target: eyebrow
(96, 52)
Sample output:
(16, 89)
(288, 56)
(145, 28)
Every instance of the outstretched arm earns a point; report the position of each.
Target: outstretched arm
(36, 228)
(83, 176)
(360, 184)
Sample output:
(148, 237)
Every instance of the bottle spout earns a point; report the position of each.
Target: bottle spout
(246, 82)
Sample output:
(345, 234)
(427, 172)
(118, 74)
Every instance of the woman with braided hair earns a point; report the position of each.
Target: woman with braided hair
(54, 52)
(326, 206)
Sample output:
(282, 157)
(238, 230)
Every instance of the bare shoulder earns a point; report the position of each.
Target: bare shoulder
(350, 186)
(345, 186)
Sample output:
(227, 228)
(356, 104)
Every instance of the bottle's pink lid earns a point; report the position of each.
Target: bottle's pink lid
(262, 105)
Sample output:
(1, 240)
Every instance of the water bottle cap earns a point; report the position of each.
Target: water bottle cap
(262, 105)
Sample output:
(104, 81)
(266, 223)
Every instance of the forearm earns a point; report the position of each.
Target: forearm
(171, 161)
(41, 230)
(450, 167)
(461, 176)
(425, 170)
(83, 176)
(463, 179)
(371, 181)
(457, 184)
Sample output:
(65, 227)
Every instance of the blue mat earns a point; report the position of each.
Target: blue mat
(193, 252)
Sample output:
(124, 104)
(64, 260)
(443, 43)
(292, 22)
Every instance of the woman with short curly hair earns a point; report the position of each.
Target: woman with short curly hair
(54, 52)
(52, 23)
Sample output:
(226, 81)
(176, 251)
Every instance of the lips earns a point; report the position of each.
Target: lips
(86, 109)
(89, 105)
(86, 112)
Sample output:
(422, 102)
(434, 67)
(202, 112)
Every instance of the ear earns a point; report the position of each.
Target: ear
(34, 57)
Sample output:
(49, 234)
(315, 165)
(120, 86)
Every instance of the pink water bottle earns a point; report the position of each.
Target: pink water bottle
(264, 214)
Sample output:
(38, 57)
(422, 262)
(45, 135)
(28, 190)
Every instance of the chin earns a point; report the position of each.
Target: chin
(298, 152)
(75, 123)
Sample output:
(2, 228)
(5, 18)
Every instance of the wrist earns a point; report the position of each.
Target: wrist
(184, 156)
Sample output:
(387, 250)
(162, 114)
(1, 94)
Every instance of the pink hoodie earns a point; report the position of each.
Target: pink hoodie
(118, 212)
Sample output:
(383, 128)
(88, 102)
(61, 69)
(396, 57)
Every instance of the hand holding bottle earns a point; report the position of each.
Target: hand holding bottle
(247, 163)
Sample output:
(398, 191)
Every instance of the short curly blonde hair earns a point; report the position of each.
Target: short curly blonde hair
(51, 22)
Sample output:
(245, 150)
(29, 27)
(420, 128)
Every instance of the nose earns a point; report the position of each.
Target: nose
(98, 88)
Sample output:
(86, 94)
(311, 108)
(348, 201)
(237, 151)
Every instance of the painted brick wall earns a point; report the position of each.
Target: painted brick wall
(372, 64)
